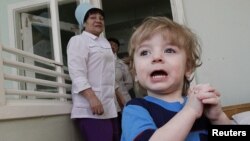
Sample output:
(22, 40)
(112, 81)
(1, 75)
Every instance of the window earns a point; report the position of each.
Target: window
(36, 80)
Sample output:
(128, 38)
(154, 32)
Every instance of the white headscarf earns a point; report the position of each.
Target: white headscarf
(81, 11)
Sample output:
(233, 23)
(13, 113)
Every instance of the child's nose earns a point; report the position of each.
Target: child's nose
(157, 58)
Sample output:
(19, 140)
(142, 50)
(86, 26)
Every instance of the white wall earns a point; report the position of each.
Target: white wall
(53, 128)
(224, 29)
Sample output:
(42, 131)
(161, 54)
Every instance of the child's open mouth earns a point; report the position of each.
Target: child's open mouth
(159, 75)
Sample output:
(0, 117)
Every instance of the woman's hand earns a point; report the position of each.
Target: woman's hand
(95, 103)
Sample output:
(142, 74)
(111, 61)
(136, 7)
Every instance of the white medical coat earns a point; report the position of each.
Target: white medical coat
(91, 65)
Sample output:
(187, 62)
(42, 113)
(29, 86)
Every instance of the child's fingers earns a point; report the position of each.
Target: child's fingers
(214, 100)
(205, 95)
(216, 93)
(202, 88)
(205, 88)
(209, 97)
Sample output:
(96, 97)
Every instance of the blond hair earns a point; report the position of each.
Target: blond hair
(177, 34)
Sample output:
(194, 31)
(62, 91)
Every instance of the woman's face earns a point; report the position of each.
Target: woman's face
(94, 24)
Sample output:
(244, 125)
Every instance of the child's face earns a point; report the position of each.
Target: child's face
(160, 67)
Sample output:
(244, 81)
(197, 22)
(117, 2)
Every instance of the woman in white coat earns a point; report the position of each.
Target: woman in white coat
(92, 71)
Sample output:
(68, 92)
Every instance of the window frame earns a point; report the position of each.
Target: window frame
(13, 109)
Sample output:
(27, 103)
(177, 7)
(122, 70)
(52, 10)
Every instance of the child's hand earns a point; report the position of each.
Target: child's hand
(211, 100)
(194, 103)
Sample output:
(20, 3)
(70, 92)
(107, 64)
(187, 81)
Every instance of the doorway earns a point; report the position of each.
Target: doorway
(122, 16)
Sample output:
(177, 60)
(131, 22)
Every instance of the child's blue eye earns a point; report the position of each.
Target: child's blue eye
(144, 53)
(169, 50)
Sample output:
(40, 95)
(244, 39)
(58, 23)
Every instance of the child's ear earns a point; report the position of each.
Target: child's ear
(188, 76)
(189, 73)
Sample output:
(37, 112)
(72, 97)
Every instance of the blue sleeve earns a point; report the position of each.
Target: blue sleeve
(135, 121)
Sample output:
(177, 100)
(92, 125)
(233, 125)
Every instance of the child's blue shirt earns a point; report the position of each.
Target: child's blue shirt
(143, 116)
